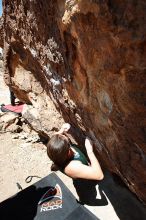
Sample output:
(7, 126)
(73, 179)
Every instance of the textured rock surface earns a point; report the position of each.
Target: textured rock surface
(1, 33)
(89, 57)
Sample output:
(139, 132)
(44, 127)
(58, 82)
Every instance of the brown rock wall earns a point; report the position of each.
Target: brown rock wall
(1, 32)
(90, 58)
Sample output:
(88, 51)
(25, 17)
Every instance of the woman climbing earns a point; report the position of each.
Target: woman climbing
(69, 159)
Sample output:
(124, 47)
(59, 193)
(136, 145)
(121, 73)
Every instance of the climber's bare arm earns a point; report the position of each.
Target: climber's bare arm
(76, 169)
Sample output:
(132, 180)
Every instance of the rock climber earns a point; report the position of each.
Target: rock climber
(69, 159)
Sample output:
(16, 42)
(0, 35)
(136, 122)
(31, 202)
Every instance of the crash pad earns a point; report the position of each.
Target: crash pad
(10, 108)
(48, 198)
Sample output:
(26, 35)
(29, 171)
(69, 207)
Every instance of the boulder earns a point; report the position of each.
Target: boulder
(88, 57)
(8, 117)
(8, 122)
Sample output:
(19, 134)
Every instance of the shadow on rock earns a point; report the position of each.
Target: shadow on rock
(110, 191)
(89, 193)
(124, 202)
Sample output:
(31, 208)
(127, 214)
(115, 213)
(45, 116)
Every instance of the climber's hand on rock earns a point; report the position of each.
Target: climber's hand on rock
(65, 128)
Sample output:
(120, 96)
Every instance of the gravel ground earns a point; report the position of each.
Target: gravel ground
(19, 160)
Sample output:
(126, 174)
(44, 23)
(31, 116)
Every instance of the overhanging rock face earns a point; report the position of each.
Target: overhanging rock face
(89, 57)
(1, 33)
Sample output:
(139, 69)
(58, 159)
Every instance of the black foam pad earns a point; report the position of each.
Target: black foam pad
(48, 198)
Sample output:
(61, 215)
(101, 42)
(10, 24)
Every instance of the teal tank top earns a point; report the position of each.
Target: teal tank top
(79, 155)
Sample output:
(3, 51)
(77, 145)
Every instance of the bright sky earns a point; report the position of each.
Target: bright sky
(0, 7)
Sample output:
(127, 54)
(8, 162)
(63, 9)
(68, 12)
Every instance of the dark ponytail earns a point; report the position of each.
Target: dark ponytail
(54, 167)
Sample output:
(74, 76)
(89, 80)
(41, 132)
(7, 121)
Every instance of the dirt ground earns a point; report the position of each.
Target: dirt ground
(18, 160)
